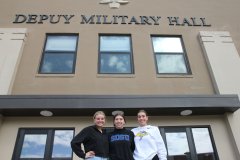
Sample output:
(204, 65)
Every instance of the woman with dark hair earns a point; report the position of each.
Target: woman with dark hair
(148, 140)
(121, 140)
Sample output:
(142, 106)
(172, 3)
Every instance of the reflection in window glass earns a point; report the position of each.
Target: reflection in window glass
(111, 63)
(59, 55)
(115, 55)
(61, 144)
(57, 63)
(115, 43)
(61, 43)
(33, 146)
(203, 143)
(170, 56)
(167, 44)
(171, 64)
(177, 143)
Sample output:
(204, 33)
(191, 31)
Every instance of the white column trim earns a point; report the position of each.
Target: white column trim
(223, 62)
(11, 46)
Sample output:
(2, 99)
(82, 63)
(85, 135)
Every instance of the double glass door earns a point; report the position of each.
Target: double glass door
(189, 143)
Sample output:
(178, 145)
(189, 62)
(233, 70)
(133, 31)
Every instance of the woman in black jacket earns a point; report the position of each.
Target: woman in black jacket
(94, 140)
(121, 140)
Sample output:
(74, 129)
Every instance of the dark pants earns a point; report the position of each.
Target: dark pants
(155, 157)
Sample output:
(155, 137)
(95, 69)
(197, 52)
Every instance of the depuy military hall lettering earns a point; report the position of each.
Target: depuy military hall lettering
(106, 19)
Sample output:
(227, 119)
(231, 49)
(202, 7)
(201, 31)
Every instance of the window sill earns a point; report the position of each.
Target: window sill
(115, 76)
(174, 76)
(56, 75)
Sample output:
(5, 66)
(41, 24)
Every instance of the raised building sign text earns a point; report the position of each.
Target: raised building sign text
(113, 20)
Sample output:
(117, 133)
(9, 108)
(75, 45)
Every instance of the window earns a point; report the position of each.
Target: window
(170, 56)
(41, 144)
(189, 143)
(59, 54)
(115, 54)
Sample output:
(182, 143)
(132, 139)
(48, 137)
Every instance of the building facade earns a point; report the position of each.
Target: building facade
(62, 61)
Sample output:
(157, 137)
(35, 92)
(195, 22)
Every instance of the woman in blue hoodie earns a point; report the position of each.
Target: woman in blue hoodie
(121, 140)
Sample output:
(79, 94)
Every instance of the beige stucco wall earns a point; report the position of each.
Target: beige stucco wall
(232, 121)
(217, 123)
(87, 81)
(144, 81)
(1, 120)
(11, 45)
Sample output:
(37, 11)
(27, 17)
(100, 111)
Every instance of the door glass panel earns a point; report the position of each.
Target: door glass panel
(61, 144)
(203, 144)
(177, 146)
(33, 146)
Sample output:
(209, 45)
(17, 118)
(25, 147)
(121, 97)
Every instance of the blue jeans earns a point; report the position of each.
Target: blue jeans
(97, 158)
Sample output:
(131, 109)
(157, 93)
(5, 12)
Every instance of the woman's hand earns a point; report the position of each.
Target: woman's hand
(89, 154)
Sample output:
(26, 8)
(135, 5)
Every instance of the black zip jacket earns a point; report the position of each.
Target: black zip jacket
(121, 144)
(92, 140)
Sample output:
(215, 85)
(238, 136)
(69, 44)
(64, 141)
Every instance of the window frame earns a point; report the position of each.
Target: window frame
(190, 139)
(183, 53)
(59, 52)
(49, 142)
(130, 53)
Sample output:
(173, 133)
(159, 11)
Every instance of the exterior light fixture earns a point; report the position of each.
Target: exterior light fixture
(117, 112)
(46, 113)
(186, 112)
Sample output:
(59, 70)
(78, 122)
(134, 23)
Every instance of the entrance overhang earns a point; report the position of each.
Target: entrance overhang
(86, 105)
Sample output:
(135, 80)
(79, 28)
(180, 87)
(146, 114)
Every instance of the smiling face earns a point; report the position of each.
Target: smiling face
(142, 118)
(99, 120)
(119, 122)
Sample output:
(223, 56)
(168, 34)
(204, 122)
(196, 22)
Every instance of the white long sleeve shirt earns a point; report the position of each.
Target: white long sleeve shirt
(148, 143)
